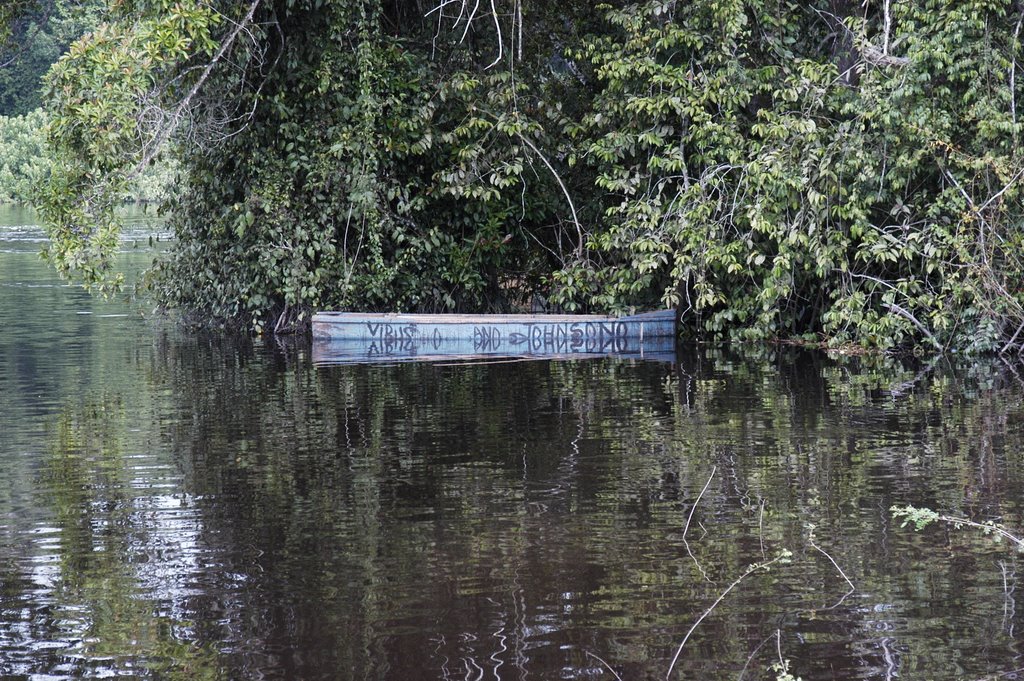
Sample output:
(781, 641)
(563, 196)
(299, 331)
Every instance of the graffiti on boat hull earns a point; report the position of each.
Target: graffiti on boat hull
(410, 339)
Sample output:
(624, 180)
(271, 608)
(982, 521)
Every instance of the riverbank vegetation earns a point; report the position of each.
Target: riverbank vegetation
(831, 172)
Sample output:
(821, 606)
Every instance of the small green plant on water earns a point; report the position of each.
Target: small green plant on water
(922, 517)
(782, 673)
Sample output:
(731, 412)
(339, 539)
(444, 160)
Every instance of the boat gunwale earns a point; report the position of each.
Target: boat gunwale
(327, 317)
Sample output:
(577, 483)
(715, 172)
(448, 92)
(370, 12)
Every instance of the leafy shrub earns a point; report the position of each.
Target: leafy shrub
(777, 181)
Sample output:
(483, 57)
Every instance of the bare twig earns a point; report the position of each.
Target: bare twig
(886, 10)
(497, 27)
(164, 133)
(699, 497)
(565, 191)
(607, 666)
(444, 4)
(1002, 191)
(760, 530)
(810, 540)
(749, 571)
(1012, 340)
(923, 516)
(751, 656)
(1009, 602)
(959, 187)
(893, 307)
(870, 52)
(987, 527)
(1013, 72)
(1016, 374)
(690, 517)
(902, 311)
(519, 16)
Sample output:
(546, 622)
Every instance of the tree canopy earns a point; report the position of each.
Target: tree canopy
(9, 13)
(834, 171)
(33, 35)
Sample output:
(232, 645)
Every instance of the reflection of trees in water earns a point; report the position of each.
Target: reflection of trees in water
(97, 590)
(424, 522)
(834, 445)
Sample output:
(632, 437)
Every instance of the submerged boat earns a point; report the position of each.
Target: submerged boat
(359, 337)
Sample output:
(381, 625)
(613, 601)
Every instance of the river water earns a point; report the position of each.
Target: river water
(194, 506)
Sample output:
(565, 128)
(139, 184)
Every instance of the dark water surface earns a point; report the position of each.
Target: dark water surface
(184, 506)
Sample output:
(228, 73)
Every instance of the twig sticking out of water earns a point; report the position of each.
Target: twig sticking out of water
(750, 657)
(760, 531)
(1009, 602)
(690, 518)
(607, 666)
(833, 560)
(699, 497)
(825, 553)
(783, 555)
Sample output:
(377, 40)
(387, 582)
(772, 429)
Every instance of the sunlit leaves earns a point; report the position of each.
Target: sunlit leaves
(102, 99)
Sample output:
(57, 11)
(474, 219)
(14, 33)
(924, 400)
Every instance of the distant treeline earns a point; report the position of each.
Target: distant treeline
(24, 160)
(34, 35)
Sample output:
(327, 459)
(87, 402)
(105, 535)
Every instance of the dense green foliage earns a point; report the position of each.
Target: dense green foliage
(33, 35)
(772, 195)
(838, 173)
(26, 161)
(10, 12)
(435, 212)
(23, 156)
